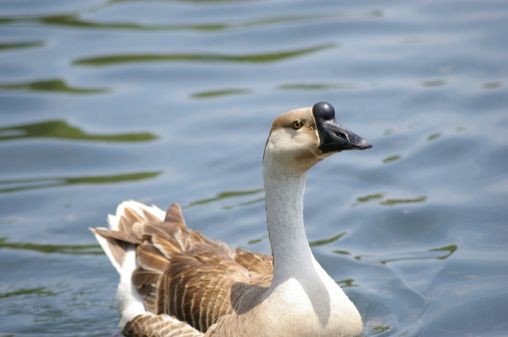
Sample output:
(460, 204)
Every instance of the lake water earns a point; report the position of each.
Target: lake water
(171, 101)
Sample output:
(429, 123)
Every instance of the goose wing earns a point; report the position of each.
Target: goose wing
(150, 325)
(182, 273)
(254, 262)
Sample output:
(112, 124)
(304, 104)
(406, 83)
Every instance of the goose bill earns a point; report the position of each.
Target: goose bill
(335, 138)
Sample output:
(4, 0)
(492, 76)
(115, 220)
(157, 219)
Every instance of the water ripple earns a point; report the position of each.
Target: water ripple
(440, 253)
(74, 20)
(203, 57)
(391, 158)
(17, 185)
(327, 241)
(51, 85)
(51, 248)
(40, 291)
(219, 93)
(316, 86)
(225, 195)
(60, 129)
(18, 45)
(399, 201)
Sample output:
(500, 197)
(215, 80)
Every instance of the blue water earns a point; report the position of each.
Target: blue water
(171, 101)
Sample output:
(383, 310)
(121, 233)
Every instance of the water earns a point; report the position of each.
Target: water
(171, 101)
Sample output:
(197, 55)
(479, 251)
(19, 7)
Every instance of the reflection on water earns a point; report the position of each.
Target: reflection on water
(73, 20)
(341, 252)
(327, 241)
(257, 240)
(219, 93)
(27, 291)
(203, 57)
(491, 85)
(347, 283)
(50, 249)
(378, 329)
(433, 83)
(225, 195)
(312, 243)
(450, 249)
(17, 185)
(368, 197)
(53, 85)
(388, 201)
(245, 203)
(17, 45)
(440, 253)
(60, 129)
(398, 201)
(434, 136)
(391, 158)
(316, 86)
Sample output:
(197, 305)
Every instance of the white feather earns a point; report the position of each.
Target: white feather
(131, 304)
(138, 208)
(114, 221)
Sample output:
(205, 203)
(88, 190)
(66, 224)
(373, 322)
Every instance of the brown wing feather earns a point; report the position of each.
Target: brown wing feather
(159, 326)
(254, 262)
(197, 287)
(150, 258)
(184, 274)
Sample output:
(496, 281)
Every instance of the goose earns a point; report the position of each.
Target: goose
(175, 282)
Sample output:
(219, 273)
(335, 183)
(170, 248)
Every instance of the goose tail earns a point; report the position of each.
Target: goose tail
(137, 262)
(126, 229)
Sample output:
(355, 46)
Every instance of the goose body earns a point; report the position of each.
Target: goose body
(175, 282)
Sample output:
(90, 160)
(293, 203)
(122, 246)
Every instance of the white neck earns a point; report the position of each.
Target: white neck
(284, 207)
(300, 284)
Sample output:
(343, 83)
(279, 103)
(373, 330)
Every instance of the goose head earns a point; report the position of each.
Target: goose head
(302, 137)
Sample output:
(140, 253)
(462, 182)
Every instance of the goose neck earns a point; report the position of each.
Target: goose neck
(284, 205)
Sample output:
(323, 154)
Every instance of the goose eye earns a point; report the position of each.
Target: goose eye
(297, 124)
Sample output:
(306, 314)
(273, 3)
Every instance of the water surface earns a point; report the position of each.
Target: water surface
(170, 101)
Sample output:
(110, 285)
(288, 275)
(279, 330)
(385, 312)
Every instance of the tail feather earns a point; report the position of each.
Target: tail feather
(139, 243)
(114, 249)
(126, 229)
